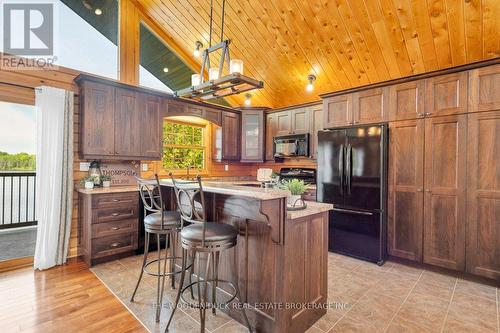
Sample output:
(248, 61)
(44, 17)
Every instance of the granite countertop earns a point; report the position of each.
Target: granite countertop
(311, 209)
(103, 190)
(234, 188)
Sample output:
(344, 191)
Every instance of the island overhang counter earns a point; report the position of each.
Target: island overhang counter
(281, 256)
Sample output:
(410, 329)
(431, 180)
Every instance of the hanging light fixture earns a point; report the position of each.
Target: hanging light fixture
(219, 85)
(310, 86)
(248, 100)
(198, 45)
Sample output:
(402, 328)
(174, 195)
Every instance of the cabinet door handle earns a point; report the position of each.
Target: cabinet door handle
(428, 190)
(115, 228)
(115, 214)
(420, 115)
(115, 244)
(419, 190)
(115, 200)
(428, 113)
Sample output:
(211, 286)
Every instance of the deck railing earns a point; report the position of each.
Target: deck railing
(17, 199)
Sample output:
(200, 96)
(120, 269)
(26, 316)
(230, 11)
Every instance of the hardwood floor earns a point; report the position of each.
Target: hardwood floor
(68, 298)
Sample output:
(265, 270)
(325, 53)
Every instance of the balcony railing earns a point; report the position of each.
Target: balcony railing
(17, 199)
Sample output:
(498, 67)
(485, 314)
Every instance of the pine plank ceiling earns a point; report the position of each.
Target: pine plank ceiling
(345, 43)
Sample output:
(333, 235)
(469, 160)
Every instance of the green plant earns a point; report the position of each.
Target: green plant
(295, 186)
(88, 179)
(105, 178)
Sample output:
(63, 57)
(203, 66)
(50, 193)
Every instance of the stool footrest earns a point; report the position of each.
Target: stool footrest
(166, 273)
(208, 304)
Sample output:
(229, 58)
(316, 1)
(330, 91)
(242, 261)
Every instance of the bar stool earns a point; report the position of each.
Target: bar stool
(158, 221)
(199, 237)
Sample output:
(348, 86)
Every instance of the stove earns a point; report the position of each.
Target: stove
(308, 175)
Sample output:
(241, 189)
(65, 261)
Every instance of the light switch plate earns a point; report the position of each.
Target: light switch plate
(144, 167)
(84, 166)
(226, 167)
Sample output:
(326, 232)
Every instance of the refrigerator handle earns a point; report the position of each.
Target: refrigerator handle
(349, 168)
(341, 169)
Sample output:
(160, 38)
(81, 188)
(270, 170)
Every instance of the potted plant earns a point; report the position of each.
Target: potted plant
(296, 188)
(106, 180)
(88, 182)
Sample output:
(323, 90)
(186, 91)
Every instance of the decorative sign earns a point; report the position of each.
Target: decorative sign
(122, 173)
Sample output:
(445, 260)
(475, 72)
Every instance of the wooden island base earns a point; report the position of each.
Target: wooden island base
(280, 259)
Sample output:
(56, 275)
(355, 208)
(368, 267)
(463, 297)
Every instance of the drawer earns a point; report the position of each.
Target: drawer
(109, 245)
(115, 214)
(114, 228)
(113, 200)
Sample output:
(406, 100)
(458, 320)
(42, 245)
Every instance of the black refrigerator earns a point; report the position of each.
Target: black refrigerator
(352, 175)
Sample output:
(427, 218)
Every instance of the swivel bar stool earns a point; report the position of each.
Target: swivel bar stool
(201, 236)
(158, 221)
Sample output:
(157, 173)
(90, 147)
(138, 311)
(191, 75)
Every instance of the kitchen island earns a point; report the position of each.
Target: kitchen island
(281, 256)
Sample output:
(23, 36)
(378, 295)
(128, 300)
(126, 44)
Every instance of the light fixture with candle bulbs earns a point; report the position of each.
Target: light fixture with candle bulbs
(218, 84)
(310, 86)
(198, 45)
(248, 99)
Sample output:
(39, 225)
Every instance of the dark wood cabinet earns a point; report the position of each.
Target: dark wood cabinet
(483, 192)
(370, 106)
(270, 134)
(484, 89)
(127, 127)
(109, 225)
(230, 136)
(446, 94)
(283, 123)
(300, 120)
(445, 191)
(316, 125)
(407, 100)
(151, 127)
(406, 182)
(252, 136)
(97, 119)
(338, 111)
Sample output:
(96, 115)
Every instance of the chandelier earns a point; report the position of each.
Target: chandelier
(219, 85)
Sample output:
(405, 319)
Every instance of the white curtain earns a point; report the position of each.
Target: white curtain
(54, 175)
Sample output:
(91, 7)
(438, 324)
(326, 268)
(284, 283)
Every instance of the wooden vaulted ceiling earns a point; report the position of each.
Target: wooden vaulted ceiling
(345, 43)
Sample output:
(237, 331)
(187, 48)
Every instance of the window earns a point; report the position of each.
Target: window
(183, 145)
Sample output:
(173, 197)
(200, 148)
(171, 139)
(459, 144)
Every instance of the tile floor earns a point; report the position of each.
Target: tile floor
(363, 298)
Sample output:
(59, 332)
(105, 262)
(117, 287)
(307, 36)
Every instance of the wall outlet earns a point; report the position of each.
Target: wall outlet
(84, 166)
(144, 167)
(226, 167)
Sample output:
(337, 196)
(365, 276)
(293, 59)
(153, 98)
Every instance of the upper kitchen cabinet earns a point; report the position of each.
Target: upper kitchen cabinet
(252, 136)
(227, 138)
(338, 111)
(283, 123)
(370, 106)
(119, 122)
(407, 100)
(300, 120)
(483, 194)
(97, 119)
(151, 126)
(484, 89)
(128, 113)
(446, 94)
(270, 134)
(316, 119)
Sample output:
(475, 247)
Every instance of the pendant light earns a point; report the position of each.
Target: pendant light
(218, 84)
(248, 99)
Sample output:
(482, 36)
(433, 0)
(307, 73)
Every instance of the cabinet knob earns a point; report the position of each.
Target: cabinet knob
(115, 214)
(428, 113)
(428, 190)
(115, 200)
(420, 115)
(419, 190)
(115, 228)
(115, 244)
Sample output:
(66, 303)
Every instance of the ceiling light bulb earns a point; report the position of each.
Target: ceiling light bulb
(165, 69)
(196, 53)
(98, 11)
(197, 47)
(248, 100)
(311, 78)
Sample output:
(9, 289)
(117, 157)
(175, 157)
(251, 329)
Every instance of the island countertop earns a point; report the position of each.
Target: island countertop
(235, 189)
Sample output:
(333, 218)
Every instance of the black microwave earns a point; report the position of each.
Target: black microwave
(287, 146)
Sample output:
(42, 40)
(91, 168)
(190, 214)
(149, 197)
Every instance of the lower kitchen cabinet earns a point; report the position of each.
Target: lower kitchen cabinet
(406, 181)
(483, 192)
(427, 190)
(109, 225)
(445, 202)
